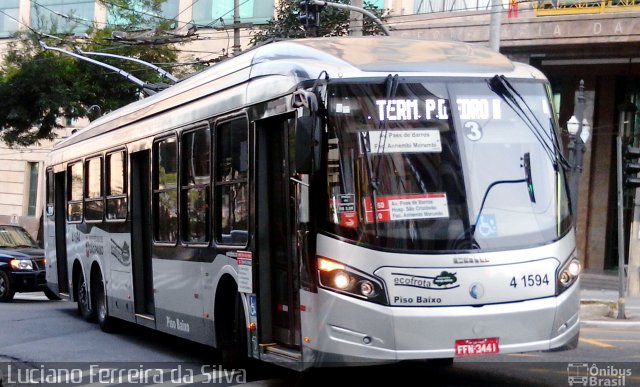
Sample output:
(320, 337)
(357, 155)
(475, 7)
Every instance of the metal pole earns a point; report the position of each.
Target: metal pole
(576, 150)
(236, 29)
(573, 181)
(352, 8)
(355, 19)
(494, 25)
(621, 251)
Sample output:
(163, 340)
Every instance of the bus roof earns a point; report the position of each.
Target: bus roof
(303, 59)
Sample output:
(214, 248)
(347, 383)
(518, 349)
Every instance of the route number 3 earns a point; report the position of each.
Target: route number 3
(473, 130)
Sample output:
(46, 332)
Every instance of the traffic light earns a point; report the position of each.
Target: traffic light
(631, 167)
(309, 14)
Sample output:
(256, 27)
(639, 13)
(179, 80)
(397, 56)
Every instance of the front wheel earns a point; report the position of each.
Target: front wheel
(51, 295)
(6, 291)
(85, 309)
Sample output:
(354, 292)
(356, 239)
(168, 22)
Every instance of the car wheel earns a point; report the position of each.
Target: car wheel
(85, 308)
(6, 293)
(51, 295)
(106, 322)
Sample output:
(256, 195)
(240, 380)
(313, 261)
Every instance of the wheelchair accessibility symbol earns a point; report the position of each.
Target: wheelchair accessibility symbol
(487, 226)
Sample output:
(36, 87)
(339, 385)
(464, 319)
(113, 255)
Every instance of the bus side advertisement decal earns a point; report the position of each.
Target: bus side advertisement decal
(245, 282)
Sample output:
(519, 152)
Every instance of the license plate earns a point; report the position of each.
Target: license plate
(476, 347)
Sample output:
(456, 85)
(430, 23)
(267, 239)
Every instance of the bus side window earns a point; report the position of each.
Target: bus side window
(232, 162)
(116, 171)
(195, 194)
(93, 200)
(75, 187)
(165, 191)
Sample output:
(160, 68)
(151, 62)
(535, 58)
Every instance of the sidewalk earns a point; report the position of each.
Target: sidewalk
(599, 302)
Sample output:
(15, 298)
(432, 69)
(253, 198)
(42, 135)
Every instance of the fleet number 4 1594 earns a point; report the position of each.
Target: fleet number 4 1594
(530, 280)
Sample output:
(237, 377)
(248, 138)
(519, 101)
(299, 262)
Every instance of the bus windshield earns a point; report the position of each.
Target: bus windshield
(444, 166)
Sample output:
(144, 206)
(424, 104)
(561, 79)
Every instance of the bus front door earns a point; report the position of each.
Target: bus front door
(278, 267)
(60, 215)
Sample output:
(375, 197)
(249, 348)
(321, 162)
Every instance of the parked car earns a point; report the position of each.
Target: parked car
(22, 264)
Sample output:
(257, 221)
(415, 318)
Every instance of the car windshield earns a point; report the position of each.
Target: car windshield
(15, 237)
(444, 166)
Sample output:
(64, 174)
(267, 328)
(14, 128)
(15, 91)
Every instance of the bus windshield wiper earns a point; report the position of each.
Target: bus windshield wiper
(549, 142)
(373, 182)
(469, 234)
(372, 175)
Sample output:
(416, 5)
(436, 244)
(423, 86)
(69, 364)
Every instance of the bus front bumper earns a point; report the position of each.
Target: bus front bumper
(344, 330)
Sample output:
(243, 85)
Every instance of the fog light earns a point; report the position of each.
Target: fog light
(366, 288)
(341, 280)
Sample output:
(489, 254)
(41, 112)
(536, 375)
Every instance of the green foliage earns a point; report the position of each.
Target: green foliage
(333, 22)
(135, 15)
(40, 89)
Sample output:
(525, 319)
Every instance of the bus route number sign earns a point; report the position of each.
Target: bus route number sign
(476, 347)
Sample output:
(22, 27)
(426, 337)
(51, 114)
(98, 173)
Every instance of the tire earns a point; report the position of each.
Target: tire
(6, 291)
(85, 309)
(233, 337)
(106, 322)
(51, 295)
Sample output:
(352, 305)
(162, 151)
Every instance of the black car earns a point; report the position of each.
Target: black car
(22, 264)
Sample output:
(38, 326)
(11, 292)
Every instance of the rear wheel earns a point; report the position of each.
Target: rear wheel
(85, 308)
(6, 291)
(106, 322)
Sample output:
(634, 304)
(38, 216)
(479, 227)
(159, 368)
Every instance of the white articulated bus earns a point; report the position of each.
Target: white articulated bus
(326, 201)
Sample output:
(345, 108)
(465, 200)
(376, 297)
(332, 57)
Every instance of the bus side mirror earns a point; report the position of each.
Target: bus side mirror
(307, 144)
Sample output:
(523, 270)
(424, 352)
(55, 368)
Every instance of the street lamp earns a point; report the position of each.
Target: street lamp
(579, 132)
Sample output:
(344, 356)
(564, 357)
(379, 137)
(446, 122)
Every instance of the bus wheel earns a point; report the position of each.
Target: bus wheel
(106, 322)
(6, 293)
(233, 336)
(51, 295)
(85, 309)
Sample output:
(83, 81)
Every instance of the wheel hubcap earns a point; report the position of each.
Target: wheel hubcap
(3, 285)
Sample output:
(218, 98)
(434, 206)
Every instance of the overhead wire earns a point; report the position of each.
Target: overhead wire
(219, 19)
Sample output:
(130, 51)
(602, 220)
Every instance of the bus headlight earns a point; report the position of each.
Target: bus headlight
(341, 280)
(568, 274)
(347, 280)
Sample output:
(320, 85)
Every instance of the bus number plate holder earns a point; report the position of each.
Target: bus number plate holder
(477, 347)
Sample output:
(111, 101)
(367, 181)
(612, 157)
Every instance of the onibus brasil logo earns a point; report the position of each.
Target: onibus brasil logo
(585, 374)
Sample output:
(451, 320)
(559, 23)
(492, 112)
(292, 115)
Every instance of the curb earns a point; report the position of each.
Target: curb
(609, 323)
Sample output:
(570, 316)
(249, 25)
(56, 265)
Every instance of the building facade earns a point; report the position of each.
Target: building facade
(569, 40)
